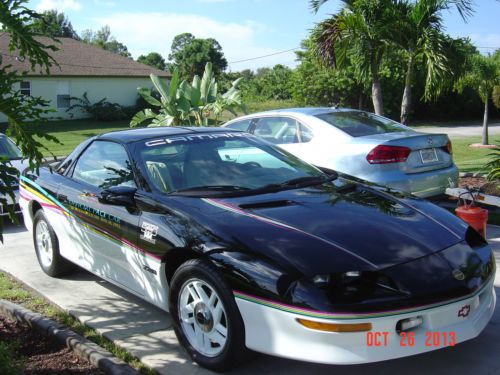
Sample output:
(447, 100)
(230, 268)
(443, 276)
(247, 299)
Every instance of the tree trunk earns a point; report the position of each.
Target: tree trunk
(406, 103)
(485, 121)
(361, 99)
(378, 104)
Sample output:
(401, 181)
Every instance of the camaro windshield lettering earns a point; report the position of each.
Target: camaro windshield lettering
(195, 137)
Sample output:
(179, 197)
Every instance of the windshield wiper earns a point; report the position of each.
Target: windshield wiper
(217, 188)
(302, 181)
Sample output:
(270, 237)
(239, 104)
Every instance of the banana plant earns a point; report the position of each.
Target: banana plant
(205, 99)
(172, 108)
(181, 102)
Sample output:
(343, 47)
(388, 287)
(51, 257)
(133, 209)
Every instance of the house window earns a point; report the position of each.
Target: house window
(63, 101)
(26, 88)
(63, 96)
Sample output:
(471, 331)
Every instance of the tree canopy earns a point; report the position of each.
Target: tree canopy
(153, 59)
(18, 108)
(103, 38)
(482, 76)
(53, 24)
(190, 55)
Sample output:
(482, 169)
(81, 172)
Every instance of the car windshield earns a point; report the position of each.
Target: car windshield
(360, 124)
(8, 149)
(221, 162)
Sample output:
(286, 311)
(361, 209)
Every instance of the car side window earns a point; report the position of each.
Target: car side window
(277, 130)
(240, 125)
(104, 164)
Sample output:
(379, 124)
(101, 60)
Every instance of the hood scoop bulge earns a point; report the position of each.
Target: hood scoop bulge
(266, 204)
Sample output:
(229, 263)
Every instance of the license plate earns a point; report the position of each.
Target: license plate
(428, 155)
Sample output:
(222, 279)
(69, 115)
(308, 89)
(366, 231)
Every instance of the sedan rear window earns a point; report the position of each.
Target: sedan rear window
(360, 124)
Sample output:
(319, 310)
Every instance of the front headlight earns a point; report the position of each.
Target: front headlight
(357, 286)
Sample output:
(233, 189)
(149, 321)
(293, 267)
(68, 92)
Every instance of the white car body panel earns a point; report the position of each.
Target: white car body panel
(273, 331)
(100, 256)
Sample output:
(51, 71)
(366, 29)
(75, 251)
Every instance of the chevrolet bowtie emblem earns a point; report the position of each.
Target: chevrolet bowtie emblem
(464, 311)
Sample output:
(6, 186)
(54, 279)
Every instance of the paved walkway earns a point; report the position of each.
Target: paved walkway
(146, 331)
(461, 131)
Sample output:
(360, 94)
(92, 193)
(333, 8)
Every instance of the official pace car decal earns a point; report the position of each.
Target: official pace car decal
(35, 191)
(149, 232)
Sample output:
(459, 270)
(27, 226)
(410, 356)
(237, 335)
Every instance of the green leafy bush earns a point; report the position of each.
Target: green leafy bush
(101, 110)
(493, 166)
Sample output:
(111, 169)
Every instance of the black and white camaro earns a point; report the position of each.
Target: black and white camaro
(248, 247)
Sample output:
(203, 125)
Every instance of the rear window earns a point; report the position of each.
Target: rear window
(240, 125)
(360, 124)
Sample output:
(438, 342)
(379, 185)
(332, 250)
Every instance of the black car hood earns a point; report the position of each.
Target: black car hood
(330, 228)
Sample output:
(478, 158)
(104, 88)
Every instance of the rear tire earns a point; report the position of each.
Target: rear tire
(47, 247)
(206, 319)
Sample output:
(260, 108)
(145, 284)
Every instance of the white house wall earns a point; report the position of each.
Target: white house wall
(121, 90)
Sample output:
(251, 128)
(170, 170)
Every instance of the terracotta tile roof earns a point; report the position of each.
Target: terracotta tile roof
(76, 58)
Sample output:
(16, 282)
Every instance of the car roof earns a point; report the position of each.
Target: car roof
(138, 134)
(308, 111)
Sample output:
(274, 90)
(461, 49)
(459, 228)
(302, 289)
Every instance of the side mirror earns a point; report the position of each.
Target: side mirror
(119, 196)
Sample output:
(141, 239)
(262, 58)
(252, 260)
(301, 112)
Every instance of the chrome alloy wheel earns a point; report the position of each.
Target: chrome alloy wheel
(203, 318)
(44, 243)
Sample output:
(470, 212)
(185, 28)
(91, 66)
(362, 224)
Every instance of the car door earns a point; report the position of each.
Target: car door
(282, 131)
(105, 234)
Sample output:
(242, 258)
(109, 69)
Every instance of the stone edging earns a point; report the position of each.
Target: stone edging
(82, 347)
(472, 174)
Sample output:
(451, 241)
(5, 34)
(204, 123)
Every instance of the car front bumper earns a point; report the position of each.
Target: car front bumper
(272, 330)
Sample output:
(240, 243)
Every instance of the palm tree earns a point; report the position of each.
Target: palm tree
(482, 76)
(419, 32)
(361, 29)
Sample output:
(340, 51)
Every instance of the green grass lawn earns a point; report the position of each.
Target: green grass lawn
(469, 159)
(72, 132)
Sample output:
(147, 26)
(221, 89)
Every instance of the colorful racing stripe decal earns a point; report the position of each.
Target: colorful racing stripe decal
(346, 315)
(276, 223)
(36, 192)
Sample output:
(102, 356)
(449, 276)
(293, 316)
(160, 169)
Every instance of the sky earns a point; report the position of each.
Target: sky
(246, 29)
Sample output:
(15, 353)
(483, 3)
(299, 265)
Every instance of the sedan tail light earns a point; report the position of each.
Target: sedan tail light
(383, 154)
(448, 148)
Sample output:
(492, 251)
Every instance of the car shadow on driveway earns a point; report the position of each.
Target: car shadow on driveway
(11, 228)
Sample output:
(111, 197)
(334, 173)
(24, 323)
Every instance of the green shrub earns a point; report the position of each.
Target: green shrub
(102, 110)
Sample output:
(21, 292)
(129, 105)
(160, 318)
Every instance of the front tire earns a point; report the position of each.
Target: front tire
(206, 319)
(47, 247)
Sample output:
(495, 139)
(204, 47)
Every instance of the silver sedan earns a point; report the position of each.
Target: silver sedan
(360, 144)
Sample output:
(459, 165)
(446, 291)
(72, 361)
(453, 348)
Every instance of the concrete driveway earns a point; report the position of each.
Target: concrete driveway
(146, 331)
(461, 131)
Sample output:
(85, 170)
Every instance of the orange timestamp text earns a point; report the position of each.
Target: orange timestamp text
(407, 339)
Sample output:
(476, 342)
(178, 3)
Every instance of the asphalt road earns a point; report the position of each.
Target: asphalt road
(146, 331)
